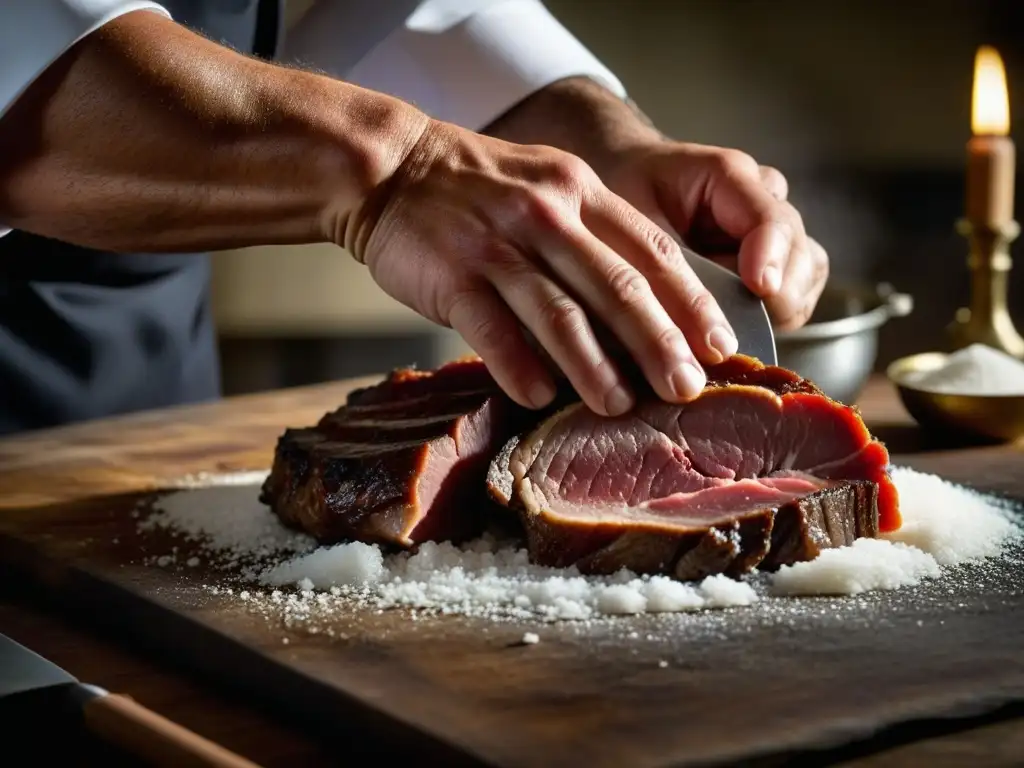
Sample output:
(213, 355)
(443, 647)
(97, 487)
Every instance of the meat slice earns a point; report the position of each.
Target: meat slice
(760, 469)
(400, 463)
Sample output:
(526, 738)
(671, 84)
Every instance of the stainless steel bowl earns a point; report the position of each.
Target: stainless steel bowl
(838, 347)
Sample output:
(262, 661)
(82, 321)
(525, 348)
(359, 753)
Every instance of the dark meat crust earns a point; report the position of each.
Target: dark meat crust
(355, 475)
(832, 517)
(336, 494)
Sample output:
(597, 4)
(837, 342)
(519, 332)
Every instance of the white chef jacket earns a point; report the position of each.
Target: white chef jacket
(461, 61)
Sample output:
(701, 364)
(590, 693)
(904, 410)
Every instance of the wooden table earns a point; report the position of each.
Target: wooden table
(233, 723)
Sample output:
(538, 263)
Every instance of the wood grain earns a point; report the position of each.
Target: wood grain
(462, 691)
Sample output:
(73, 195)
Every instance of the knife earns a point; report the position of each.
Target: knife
(745, 312)
(113, 717)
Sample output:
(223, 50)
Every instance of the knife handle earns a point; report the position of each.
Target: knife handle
(122, 721)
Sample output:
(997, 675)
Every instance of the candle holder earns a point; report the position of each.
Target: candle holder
(987, 319)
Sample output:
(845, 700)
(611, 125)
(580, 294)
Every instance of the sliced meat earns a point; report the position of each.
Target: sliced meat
(467, 374)
(401, 463)
(761, 468)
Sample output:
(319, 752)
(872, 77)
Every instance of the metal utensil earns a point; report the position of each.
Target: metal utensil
(997, 418)
(838, 346)
(743, 309)
(113, 717)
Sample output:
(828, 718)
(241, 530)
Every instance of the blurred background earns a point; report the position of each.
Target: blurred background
(863, 104)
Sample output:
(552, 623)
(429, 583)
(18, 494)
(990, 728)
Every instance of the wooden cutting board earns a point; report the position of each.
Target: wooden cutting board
(749, 684)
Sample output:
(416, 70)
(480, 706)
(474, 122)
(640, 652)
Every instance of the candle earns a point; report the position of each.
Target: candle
(991, 155)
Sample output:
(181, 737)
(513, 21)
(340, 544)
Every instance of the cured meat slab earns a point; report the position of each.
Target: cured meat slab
(746, 685)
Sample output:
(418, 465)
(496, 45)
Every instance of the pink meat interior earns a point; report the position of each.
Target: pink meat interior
(731, 452)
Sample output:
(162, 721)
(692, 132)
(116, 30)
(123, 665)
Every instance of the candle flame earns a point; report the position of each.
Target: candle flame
(990, 103)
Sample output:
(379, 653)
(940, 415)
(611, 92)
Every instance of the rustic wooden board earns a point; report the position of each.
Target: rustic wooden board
(742, 684)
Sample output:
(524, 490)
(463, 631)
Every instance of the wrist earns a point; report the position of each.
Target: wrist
(352, 140)
(580, 116)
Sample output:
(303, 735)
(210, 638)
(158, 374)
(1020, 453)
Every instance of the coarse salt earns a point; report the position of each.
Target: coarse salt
(974, 370)
(944, 524)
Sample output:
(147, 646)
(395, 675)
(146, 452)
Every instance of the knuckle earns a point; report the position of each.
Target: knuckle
(562, 316)
(573, 167)
(820, 258)
(735, 162)
(795, 220)
(773, 173)
(668, 342)
(529, 207)
(627, 285)
(458, 303)
(505, 260)
(486, 332)
(665, 248)
(701, 303)
(571, 174)
(473, 321)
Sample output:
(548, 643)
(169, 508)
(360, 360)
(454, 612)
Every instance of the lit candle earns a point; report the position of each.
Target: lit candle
(991, 155)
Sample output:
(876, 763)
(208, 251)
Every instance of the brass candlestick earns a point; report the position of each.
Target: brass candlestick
(987, 320)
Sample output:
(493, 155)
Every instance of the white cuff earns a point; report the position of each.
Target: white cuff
(35, 33)
(462, 62)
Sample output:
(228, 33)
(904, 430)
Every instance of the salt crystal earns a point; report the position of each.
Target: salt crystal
(974, 370)
(867, 564)
(531, 638)
(721, 591)
(944, 524)
(621, 598)
(951, 523)
(342, 564)
(663, 664)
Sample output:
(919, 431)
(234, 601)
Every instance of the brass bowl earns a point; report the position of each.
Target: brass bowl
(989, 417)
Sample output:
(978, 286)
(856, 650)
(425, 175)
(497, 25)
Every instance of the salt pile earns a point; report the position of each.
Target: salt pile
(975, 370)
(944, 525)
(488, 579)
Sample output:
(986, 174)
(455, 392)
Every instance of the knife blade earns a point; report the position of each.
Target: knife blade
(743, 309)
(113, 717)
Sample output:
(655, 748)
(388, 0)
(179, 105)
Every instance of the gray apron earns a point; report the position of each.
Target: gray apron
(86, 334)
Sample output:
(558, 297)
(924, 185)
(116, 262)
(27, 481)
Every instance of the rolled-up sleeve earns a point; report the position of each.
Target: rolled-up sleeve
(35, 33)
(462, 61)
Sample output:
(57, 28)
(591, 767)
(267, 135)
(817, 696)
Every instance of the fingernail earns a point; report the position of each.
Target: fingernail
(771, 279)
(541, 393)
(618, 401)
(723, 341)
(687, 381)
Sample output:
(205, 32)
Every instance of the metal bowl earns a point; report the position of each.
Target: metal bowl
(989, 417)
(838, 347)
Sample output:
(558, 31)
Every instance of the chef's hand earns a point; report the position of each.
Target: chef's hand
(489, 237)
(720, 201)
(729, 208)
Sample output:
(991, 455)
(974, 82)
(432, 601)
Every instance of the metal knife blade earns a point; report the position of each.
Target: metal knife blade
(112, 717)
(22, 670)
(743, 309)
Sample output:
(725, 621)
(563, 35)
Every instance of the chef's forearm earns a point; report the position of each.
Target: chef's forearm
(148, 137)
(577, 115)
